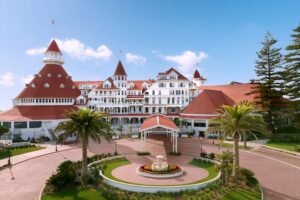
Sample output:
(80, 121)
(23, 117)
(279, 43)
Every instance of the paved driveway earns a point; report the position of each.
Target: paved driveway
(277, 172)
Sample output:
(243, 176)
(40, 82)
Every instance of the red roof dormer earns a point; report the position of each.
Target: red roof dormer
(53, 47)
(120, 70)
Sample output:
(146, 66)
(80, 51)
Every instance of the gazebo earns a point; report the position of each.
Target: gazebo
(160, 124)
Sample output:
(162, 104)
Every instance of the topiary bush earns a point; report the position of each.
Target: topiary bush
(250, 179)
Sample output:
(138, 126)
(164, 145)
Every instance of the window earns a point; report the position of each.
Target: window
(59, 75)
(36, 124)
(46, 85)
(199, 124)
(20, 125)
(49, 75)
(7, 124)
(171, 84)
(32, 85)
(62, 85)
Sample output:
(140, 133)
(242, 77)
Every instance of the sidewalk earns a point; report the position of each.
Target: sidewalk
(253, 143)
(49, 148)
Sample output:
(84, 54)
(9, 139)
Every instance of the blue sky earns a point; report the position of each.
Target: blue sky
(220, 38)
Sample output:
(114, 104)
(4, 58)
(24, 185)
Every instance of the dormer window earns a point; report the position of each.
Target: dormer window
(59, 75)
(46, 85)
(73, 87)
(62, 85)
(40, 75)
(172, 77)
(106, 85)
(49, 75)
(32, 85)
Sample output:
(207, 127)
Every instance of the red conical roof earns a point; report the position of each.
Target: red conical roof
(120, 70)
(197, 74)
(51, 82)
(53, 47)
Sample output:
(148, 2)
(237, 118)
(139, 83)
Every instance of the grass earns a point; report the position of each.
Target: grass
(210, 167)
(290, 146)
(111, 166)
(74, 194)
(242, 194)
(18, 151)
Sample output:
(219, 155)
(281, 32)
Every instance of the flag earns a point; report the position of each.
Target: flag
(53, 22)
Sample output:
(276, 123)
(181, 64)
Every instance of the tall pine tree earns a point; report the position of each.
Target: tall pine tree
(267, 68)
(292, 74)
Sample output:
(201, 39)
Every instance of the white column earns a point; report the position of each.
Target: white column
(176, 142)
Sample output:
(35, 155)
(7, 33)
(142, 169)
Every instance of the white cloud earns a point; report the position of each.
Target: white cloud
(76, 49)
(135, 59)
(187, 62)
(26, 79)
(7, 79)
(36, 51)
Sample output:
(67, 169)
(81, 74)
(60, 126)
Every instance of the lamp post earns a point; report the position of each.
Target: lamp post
(116, 147)
(9, 154)
(200, 146)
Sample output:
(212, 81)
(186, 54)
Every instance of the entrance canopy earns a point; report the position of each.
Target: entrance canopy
(156, 121)
(160, 124)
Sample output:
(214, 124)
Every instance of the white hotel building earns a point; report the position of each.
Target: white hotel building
(45, 101)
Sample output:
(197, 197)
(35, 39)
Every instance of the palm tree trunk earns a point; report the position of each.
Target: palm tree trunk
(236, 167)
(84, 170)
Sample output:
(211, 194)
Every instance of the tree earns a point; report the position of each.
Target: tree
(291, 72)
(236, 121)
(85, 124)
(3, 130)
(226, 166)
(269, 79)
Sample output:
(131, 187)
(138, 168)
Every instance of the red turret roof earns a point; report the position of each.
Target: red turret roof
(59, 82)
(53, 47)
(208, 102)
(197, 74)
(120, 70)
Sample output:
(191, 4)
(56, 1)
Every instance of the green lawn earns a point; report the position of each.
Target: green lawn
(87, 194)
(18, 151)
(290, 146)
(111, 166)
(210, 167)
(241, 194)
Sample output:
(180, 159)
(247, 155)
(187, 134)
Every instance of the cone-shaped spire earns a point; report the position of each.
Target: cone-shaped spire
(53, 47)
(120, 70)
(197, 74)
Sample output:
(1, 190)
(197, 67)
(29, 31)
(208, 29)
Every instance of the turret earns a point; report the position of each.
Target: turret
(198, 80)
(53, 54)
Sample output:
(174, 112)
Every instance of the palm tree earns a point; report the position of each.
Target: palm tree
(85, 124)
(238, 120)
(3, 130)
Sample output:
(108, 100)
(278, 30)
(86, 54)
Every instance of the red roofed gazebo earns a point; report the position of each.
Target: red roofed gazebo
(160, 124)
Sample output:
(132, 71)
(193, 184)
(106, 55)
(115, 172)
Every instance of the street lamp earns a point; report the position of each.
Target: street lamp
(9, 154)
(200, 146)
(116, 147)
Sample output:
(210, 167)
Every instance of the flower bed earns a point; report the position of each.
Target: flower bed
(171, 169)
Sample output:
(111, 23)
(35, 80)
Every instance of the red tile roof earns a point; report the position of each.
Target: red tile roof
(101, 85)
(180, 76)
(237, 92)
(138, 84)
(55, 76)
(25, 113)
(158, 121)
(78, 83)
(53, 47)
(120, 70)
(207, 103)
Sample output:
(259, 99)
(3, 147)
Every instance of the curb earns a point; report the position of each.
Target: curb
(40, 156)
(282, 150)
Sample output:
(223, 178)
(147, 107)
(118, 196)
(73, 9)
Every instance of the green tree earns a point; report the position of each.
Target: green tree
(236, 121)
(85, 124)
(3, 130)
(269, 80)
(226, 166)
(291, 73)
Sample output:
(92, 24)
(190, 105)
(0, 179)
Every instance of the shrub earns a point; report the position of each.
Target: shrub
(203, 154)
(64, 177)
(212, 156)
(249, 176)
(143, 153)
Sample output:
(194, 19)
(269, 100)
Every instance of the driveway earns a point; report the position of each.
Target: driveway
(277, 172)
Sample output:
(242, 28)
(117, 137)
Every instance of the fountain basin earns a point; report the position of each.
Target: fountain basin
(168, 171)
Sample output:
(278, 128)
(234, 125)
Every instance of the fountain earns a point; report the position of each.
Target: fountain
(160, 169)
